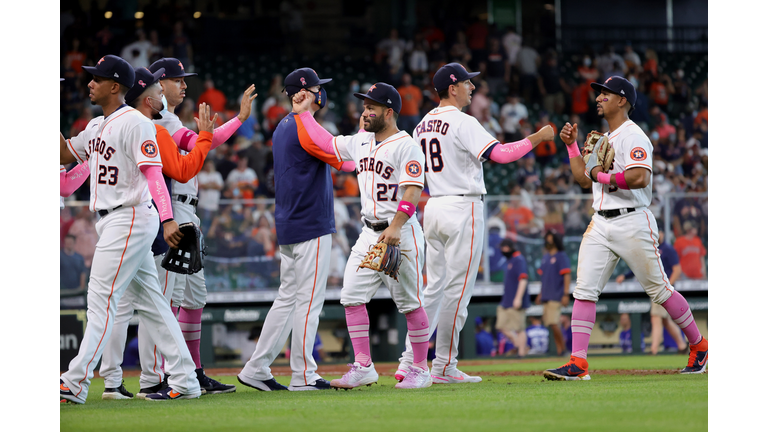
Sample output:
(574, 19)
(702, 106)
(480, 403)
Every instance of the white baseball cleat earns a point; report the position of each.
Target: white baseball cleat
(454, 377)
(415, 378)
(357, 376)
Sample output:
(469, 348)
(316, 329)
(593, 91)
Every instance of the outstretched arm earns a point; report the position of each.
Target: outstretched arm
(322, 138)
(72, 180)
(510, 152)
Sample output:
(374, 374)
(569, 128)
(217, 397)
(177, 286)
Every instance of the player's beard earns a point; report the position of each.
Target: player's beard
(375, 125)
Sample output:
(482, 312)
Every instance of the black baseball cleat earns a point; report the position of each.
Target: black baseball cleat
(143, 393)
(697, 360)
(169, 393)
(577, 369)
(66, 395)
(267, 385)
(117, 392)
(211, 386)
(320, 384)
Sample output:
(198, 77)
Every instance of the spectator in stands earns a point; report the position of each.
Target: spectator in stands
(71, 266)
(391, 51)
(606, 61)
(512, 113)
(483, 339)
(226, 160)
(409, 112)
(546, 150)
(345, 185)
(214, 97)
(691, 251)
(555, 271)
(264, 234)
(681, 93)
(510, 314)
(490, 124)
(512, 43)
(659, 317)
(640, 114)
(243, 179)
(587, 70)
(460, 51)
(138, 53)
(528, 174)
(528, 61)
(181, 47)
(86, 115)
(688, 209)
(480, 100)
(625, 337)
(210, 184)
(702, 91)
(617, 69)
(581, 97)
(418, 63)
(631, 59)
(551, 85)
(155, 50)
(350, 123)
(86, 237)
(496, 67)
(660, 89)
(651, 64)
(477, 34)
(663, 127)
(74, 59)
(518, 218)
(538, 337)
(565, 327)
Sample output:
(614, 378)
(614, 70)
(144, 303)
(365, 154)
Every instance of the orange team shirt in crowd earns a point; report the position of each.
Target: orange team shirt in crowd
(412, 98)
(651, 66)
(182, 168)
(74, 60)
(517, 216)
(703, 115)
(546, 148)
(690, 250)
(659, 93)
(214, 98)
(580, 99)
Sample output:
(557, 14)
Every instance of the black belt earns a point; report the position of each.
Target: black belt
(614, 213)
(103, 213)
(184, 198)
(376, 226)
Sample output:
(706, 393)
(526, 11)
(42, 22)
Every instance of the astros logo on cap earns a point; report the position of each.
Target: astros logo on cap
(453, 78)
(303, 81)
(181, 66)
(149, 148)
(637, 154)
(102, 59)
(372, 87)
(413, 168)
(608, 79)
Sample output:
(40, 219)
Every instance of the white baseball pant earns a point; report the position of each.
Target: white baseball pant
(454, 227)
(123, 265)
(360, 284)
(303, 276)
(633, 237)
(149, 354)
(189, 291)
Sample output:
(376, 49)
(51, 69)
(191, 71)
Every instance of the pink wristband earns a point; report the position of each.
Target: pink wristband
(604, 178)
(621, 182)
(573, 150)
(406, 208)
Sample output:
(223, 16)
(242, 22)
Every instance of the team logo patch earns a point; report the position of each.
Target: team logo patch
(372, 87)
(149, 148)
(181, 66)
(453, 78)
(413, 168)
(638, 154)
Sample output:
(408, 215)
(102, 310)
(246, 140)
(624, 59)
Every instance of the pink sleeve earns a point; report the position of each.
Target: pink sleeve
(73, 179)
(348, 166)
(318, 134)
(186, 138)
(510, 152)
(158, 190)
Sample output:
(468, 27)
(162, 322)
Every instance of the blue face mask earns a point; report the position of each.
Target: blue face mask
(321, 97)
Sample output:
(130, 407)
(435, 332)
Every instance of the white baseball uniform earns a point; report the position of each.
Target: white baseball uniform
(189, 291)
(633, 235)
(384, 170)
(115, 147)
(454, 144)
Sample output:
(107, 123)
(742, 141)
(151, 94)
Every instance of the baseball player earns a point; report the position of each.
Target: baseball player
(391, 178)
(510, 314)
(304, 222)
(121, 151)
(145, 96)
(189, 292)
(622, 227)
(455, 146)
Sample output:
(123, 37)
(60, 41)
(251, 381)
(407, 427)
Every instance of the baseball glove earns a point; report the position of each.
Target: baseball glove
(597, 151)
(187, 258)
(383, 258)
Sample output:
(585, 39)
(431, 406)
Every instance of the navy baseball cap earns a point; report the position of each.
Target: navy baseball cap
(113, 67)
(302, 78)
(173, 68)
(619, 86)
(144, 79)
(384, 94)
(451, 73)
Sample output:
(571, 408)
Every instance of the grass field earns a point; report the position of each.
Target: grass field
(627, 393)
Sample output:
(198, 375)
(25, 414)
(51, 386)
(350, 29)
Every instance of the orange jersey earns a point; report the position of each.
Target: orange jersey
(182, 168)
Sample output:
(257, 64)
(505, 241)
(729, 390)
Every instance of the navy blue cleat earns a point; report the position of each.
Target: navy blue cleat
(320, 384)
(577, 369)
(268, 385)
(697, 360)
(211, 386)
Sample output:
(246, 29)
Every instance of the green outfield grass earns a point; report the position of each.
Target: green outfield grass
(607, 402)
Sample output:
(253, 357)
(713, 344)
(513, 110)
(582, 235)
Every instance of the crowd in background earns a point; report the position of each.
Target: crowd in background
(520, 89)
